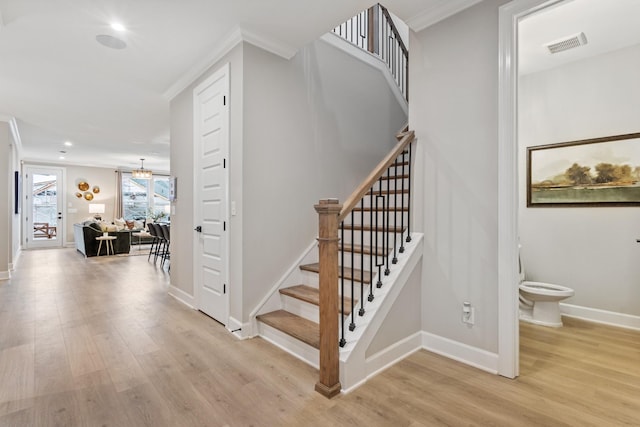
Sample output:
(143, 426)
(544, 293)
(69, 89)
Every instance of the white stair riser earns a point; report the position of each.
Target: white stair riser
(370, 238)
(304, 309)
(311, 279)
(291, 345)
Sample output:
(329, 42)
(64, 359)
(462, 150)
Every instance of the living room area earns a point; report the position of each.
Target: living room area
(99, 211)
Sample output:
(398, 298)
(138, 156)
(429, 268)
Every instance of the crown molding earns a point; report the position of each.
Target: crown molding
(435, 14)
(224, 47)
(13, 125)
(269, 44)
(236, 36)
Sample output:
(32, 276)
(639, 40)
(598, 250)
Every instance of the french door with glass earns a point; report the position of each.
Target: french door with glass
(44, 202)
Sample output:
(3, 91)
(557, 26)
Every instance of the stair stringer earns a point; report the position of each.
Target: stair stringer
(353, 363)
(292, 276)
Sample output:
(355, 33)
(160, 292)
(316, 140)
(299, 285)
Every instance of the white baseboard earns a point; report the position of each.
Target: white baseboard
(605, 317)
(12, 265)
(4, 275)
(238, 329)
(391, 355)
(463, 353)
(182, 296)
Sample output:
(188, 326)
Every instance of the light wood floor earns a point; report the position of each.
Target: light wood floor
(98, 342)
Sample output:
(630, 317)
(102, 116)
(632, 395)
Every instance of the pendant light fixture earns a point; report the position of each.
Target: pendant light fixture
(141, 173)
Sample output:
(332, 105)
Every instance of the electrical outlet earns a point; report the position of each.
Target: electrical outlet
(468, 313)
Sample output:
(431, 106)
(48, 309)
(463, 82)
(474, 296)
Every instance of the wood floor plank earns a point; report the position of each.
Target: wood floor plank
(111, 347)
(17, 373)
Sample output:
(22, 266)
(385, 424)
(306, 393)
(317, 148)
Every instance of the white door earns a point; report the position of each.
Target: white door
(211, 148)
(44, 202)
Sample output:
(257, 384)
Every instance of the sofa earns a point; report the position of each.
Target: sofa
(85, 237)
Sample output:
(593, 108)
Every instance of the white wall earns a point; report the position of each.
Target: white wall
(105, 178)
(592, 250)
(302, 129)
(314, 127)
(6, 198)
(453, 109)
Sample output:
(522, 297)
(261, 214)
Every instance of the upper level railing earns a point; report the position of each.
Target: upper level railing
(359, 243)
(374, 31)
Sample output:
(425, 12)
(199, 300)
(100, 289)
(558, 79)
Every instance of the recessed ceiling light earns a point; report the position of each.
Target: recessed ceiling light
(68, 143)
(118, 27)
(61, 157)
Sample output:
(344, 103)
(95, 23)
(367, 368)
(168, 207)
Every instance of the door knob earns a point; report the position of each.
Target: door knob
(198, 229)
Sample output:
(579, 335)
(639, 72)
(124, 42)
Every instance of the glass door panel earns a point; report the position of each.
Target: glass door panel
(44, 198)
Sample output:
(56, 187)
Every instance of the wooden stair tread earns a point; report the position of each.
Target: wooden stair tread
(367, 250)
(312, 296)
(358, 275)
(372, 228)
(298, 327)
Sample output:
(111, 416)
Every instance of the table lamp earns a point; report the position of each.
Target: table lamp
(97, 209)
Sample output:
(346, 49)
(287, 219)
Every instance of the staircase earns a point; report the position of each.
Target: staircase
(371, 244)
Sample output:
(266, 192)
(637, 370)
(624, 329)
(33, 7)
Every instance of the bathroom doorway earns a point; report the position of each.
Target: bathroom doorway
(587, 89)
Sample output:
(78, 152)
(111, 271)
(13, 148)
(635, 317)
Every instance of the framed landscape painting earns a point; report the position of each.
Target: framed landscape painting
(592, 172)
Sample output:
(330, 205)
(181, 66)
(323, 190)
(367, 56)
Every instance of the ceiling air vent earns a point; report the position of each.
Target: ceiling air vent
(567, 43)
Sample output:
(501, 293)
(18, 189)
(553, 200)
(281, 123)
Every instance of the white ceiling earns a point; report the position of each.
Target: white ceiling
(61, 85)
(608, 25)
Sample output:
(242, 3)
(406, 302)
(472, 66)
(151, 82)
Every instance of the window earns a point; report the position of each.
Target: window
(145, 198)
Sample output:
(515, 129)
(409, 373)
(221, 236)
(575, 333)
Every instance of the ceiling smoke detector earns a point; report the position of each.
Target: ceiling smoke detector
(567, 43)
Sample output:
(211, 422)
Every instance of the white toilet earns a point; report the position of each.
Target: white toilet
(540, 302)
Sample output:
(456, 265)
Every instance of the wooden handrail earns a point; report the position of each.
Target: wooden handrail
(385, 12)
(358, 194)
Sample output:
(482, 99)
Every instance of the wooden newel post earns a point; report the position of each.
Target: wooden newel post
(329, 382)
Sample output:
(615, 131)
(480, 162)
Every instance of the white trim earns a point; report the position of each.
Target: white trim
(236, 36)
(238, 329)
(472, 356)
(13, 126)
(508, 327)
(270, 44)
(13, 265)
(435, 14)
(391, 355)
(4, 275)
(293, 346)
(224, 47)
(596, 315)
(182, 296)
(369, 59)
